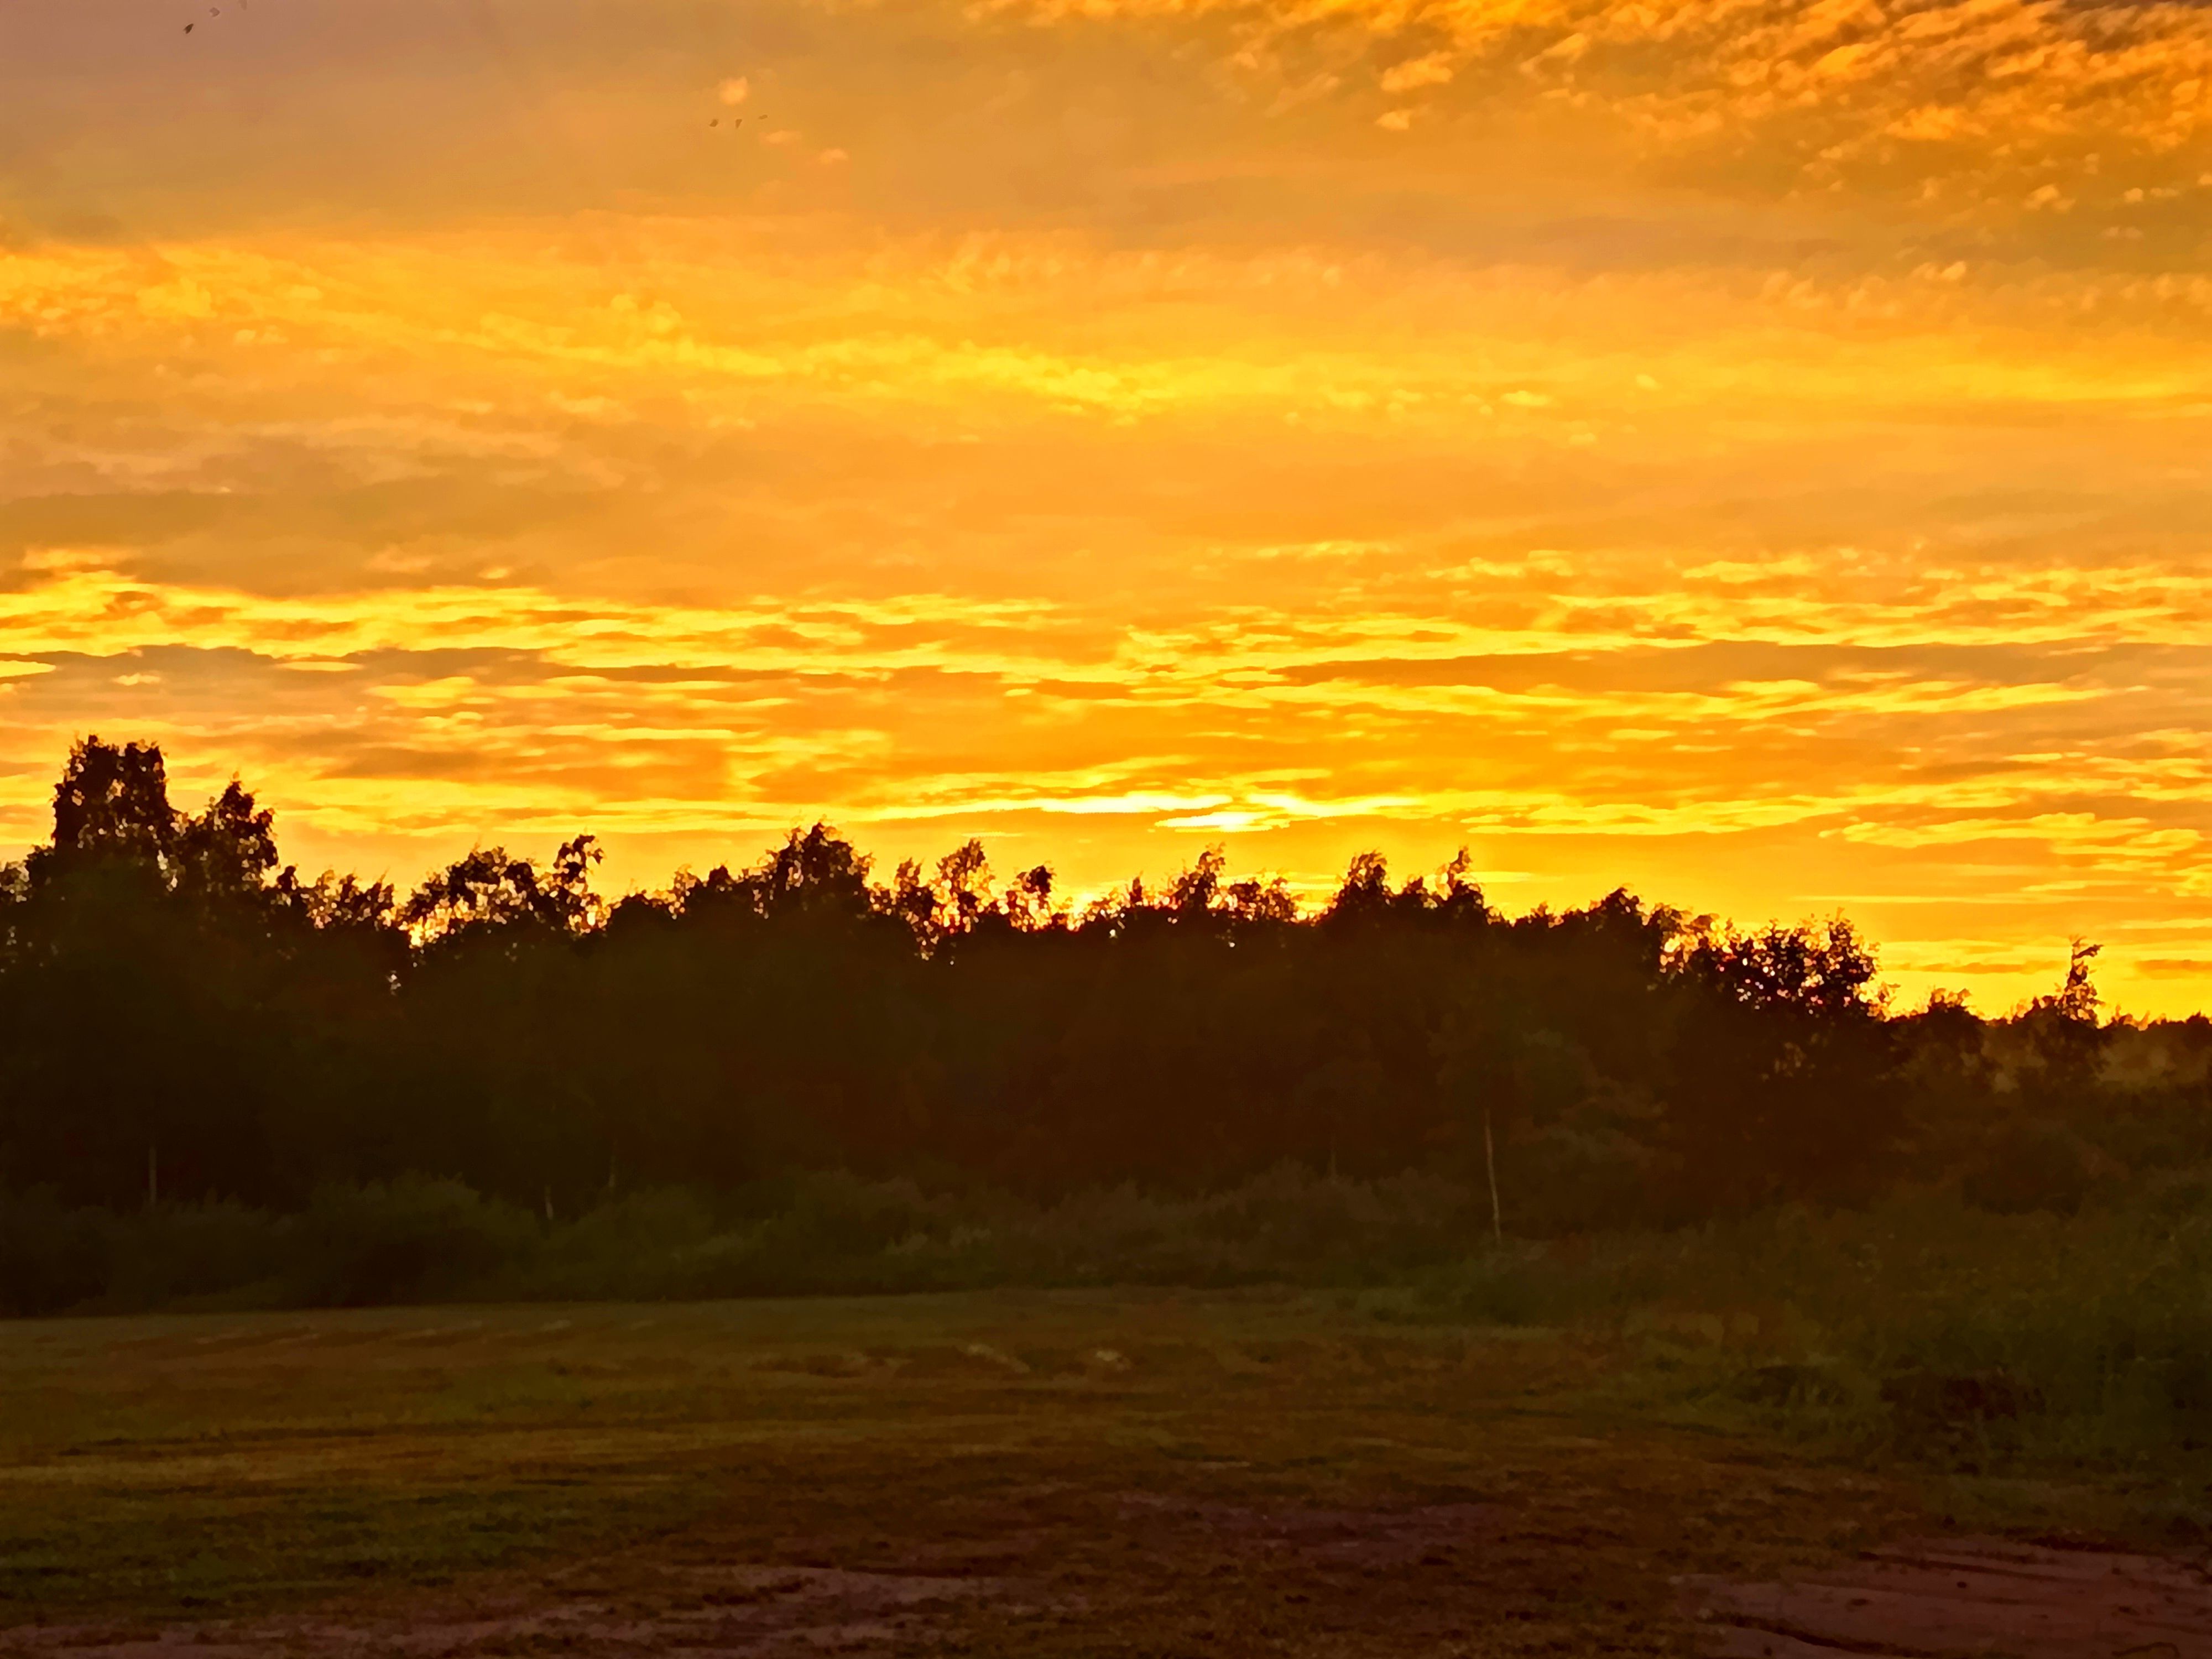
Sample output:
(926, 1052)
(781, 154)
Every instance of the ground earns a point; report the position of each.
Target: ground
(1033, 1473)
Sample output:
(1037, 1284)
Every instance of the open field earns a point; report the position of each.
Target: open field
(1025, 1473)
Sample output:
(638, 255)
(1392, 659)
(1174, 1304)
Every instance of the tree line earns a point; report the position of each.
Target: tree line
(184, 1017)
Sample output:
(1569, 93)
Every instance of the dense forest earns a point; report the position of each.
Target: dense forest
(183, 1019)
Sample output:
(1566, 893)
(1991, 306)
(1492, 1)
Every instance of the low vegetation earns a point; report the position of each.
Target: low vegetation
(2031, 1343)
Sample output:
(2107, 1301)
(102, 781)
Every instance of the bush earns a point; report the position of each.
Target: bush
(415, 1240)
(2027, 1167)
(180, 1252)
(635, 1246)
(51, 1257)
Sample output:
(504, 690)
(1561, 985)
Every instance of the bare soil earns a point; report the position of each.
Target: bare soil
(1938, 1599)
(1975, 1596)
(736, 1610)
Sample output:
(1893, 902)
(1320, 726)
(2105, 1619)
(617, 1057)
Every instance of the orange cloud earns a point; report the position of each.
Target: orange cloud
(1683, 444)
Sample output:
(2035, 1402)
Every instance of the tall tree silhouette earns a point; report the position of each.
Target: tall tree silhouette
(182, 1016)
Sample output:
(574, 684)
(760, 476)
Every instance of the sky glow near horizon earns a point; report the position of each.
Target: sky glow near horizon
(1757, 453)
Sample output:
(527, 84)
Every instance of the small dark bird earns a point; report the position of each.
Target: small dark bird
(188, 29)
(716, 122)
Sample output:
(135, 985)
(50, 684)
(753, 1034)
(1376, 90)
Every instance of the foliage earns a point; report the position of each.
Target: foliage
(1918, 1326)
(184, 1020)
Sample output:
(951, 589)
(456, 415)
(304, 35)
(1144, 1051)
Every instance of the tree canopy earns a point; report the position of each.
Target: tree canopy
(184, 1016)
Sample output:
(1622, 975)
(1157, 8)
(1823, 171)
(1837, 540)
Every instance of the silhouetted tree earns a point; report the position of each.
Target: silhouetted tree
(112, 807)
(228, 853)
(2063, 1033)
(1783, 1066)
(184, 1017)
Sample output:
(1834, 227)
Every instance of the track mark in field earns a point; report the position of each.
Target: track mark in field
(1377, 1540)
(735, 1611)
(1968, 1597)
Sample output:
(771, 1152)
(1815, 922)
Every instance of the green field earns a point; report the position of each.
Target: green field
(1031, 1472)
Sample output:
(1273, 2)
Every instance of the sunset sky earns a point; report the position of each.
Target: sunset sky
(1760, 453)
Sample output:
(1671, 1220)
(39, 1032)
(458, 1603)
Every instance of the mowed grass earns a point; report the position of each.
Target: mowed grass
(1136, 1471)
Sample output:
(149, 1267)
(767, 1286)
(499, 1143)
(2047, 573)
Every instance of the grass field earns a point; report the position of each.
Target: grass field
(1031, 1472)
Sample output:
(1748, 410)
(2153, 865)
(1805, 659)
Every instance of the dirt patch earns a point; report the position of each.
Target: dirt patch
(1968, 1597)
(1005, 1577)
(738, 1610)
(1372, 1539)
